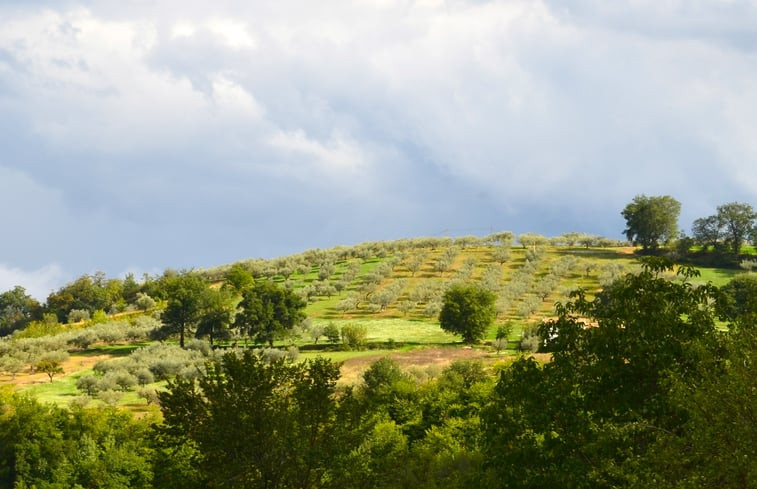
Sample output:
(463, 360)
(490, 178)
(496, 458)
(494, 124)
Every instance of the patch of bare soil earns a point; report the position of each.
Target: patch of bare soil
(353, 369)
(73, 364)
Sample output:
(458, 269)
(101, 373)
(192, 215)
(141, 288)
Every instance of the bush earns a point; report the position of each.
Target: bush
(110, 397)
(273, 354)
(89, 384)
(77, 315)
(200, 346)
(530, 341)
(382, 373)
(354, 335)
(144, 376)
(331, 331)
(500, 344)
(99, 316)
(112, 332)
(84, 339)
(149, 394)
(144, 301)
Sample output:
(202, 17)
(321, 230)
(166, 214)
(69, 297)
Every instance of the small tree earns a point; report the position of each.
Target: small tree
(144, 302)
(316, 331)
(736, 220)
(268, 311)
(468, 310)
(501, 254)
(50, 366)
(499, 344)
(12, 365)
(382, 374)
(504, 330)
(651, 221)
(185, 299)
(77, 315)
(331, 331)
(354, 335)
(89, 384)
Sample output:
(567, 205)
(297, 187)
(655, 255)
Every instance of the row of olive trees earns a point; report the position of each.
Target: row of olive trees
(47, 353)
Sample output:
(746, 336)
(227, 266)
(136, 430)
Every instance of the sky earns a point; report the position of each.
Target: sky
(143, 135)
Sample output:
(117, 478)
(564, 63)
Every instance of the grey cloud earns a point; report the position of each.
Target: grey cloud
(344, 123)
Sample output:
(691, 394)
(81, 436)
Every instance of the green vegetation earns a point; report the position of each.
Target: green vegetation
(640, 383)
(468, 311)
(337, 368)
(651, 221)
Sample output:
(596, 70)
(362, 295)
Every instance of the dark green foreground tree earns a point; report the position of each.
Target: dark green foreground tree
(257, 424)
(48, 447)
(587, 418)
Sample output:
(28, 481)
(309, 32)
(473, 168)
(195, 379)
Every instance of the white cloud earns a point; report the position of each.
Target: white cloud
(38, 283)
(336, 156)
(162, 116)
(234, 33)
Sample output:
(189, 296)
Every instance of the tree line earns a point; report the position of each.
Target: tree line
(643, 390)
(652, 222)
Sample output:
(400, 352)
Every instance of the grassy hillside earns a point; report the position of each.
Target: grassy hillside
(394, 291)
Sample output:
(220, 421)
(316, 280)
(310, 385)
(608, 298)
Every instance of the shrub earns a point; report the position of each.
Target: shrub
(144, 301)
(150, 394)
(84, 339)
(77, 315)
(530, 341)
(273, 354)
(499, 344)
(144, 376)
(99, 316)
(354, 335)
(110, 397)
(89, 384)
(382, 373)
(331, 331)
(200, 346)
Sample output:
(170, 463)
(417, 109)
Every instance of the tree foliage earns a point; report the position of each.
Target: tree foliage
(17, 309)
(651, 221)
(586, 418)
(186, 296)
(736, 221)
(268, 311)
(258, 424)
(467, 310)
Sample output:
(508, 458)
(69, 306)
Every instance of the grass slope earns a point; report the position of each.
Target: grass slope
(528, 289)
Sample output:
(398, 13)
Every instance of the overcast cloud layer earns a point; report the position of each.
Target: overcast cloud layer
(144, 135)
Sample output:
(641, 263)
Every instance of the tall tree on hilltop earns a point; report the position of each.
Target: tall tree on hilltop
(736, 221)
(651, 221)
